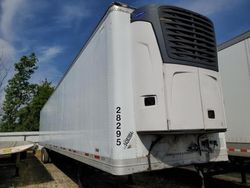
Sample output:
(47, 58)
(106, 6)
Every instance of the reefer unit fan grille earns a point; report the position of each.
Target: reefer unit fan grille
(188, 37)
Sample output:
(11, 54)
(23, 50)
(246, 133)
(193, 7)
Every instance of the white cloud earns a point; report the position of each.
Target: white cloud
(46, 54)
(7, 56)
(71, 14)
(9, 9)
(13, 17)
(48, 71)
(47, 68)
(7, 51)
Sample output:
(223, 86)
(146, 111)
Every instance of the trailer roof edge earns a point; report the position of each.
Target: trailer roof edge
(234, 40)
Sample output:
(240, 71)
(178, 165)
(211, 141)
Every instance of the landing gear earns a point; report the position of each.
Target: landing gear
(240, 165)
(79, 177)
(243, 175)
(130, 180)
(200, 171)
(84, 179)
(17, 156)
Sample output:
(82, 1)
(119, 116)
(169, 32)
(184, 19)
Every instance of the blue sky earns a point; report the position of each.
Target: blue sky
(56, 29)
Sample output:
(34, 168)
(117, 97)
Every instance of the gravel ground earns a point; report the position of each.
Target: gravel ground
(34, 174)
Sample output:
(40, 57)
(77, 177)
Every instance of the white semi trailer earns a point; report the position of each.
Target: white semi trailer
(144, 93)
(234, 64)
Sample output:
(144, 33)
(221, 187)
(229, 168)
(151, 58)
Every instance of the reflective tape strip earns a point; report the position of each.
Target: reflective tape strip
(97, 157)
(243, 150)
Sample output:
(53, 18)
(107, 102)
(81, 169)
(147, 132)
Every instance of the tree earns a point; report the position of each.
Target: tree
(29, 116)
(18, 92)
(23, 100)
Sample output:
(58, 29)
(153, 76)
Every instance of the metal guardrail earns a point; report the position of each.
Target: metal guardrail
(20, 136)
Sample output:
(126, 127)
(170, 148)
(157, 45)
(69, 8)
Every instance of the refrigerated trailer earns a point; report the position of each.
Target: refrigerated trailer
(144, 93)
(234, 64)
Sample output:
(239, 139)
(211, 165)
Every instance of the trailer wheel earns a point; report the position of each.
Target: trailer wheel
(44, 156)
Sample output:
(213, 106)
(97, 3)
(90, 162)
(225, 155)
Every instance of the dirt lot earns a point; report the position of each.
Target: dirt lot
(63, 173)
(35, 174)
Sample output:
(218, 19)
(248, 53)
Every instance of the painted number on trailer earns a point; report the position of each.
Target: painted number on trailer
(118, 119)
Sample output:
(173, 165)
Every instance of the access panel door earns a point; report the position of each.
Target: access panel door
(212, 99)
(183, 97)
(193, 98)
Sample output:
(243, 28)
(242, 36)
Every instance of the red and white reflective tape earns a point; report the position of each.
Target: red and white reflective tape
(242, 150)
(97, 157)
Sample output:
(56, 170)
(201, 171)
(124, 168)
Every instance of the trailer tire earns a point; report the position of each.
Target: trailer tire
(45, 156)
